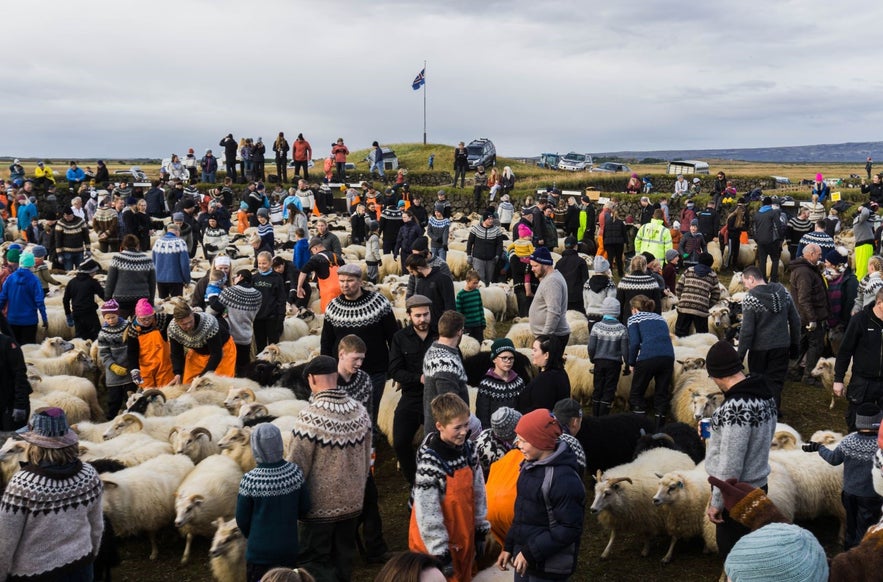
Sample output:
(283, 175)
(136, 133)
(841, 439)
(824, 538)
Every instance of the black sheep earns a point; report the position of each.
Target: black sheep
(108, 550)
(674, 435)
(610, 440)
(476, 367)
(275, 374)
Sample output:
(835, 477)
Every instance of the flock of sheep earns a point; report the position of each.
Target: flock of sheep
(176, 455)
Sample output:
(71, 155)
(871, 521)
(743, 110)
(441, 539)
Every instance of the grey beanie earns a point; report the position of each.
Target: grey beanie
(610, 306)
(503, 422)
(266, 443)
(600, 264)
(868, 416)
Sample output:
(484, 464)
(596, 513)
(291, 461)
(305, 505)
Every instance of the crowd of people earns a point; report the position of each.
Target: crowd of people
(509, 476)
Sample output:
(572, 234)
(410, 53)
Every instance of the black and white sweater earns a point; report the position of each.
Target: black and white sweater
(495, 392)
(242, 304)
(490, 448)
(359, 388)
(443, 372)
(131, 276)
(370, 317)
(50, 519)
(635, 284)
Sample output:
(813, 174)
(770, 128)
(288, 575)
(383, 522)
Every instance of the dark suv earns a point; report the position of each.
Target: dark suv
(481, 152)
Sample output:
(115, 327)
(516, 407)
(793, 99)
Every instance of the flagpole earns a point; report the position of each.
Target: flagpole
(424, 102)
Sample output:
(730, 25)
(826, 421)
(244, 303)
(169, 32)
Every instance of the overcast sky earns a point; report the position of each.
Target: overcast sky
(125, 79)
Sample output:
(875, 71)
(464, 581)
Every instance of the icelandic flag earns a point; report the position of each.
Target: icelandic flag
(419, 80)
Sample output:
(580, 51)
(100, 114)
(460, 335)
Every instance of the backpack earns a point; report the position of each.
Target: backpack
(563, 562)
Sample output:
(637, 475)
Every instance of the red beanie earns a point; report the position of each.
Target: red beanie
(540, 429)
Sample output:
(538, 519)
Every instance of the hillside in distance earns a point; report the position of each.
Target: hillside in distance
(840, 152)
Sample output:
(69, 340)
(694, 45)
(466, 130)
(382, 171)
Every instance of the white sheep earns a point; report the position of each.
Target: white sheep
(490, 325)
(159, 427)
(580, 371)
(682, 497)
(72, 363)
(82, 388)
(142, 498)
(469, 346)
(130, 449)
(495, 299)
(579, 328)
(827, 438)
(227, 554)
(76, 409)
(196, 443)
(697, 341)
(817, 484)
(12, 454)
(456, 260)
(289, 352)
(719, 319)
(236, 445)
(785, 438)
(624, 495)
(294, 328)
(389, 266)
(52, 347)
(824, 371)
(521, 335)
(220, 384)
(207, 493)
(684, 402)
(705, 402)
(91, 431)
(155, 402)
(238, 396)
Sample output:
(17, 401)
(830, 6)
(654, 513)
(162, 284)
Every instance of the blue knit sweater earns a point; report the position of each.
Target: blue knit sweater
(856, 452)
(648, 337)
(171, 259)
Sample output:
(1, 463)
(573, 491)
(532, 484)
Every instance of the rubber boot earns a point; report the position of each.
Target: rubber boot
(660, 421)
(603, 409)
(596, 408)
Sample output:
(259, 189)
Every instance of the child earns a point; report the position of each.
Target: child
(449, 517)
(468, 302)
(543, 542)
(79, 301)
(438, 230)
(41, 269)
(301, 249)
(493, 443)
(500, 386)
(372, 251)
(357, 223)
(271, 497)
(276, 209)
(113, 353)
(856, 452)
(215, 285)
(242, 218)
(608, 350)
(265, 230)
(288, 575)
(505, 211)
(670, 271)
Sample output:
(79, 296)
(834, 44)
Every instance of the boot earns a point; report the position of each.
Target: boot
(660, 421)
(596, 408)
(603, 409)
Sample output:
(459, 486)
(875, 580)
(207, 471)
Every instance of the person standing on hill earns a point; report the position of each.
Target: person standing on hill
(340, 152)
(461, 164)
(280, 148)
(230, 148)
(301, 154)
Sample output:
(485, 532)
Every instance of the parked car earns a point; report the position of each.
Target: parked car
(611, 168)
(135, 176)
(549, 161)
(574, 162)
(481, 152)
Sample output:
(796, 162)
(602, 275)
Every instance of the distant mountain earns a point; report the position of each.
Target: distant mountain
(840, 152)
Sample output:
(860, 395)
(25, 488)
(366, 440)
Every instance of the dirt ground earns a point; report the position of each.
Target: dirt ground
(805, 408)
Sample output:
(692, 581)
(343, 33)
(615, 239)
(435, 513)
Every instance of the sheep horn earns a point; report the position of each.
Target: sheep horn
(198, 430)
(616, 480)
(153, 392)
(661, 436)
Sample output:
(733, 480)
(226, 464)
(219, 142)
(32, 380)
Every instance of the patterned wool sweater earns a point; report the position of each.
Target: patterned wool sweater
(697, 291)
(370, 317)
(271, 498)
(490, 448)
(359, 388)
(112, 349)
(50, 520)
(856, 451)
(635, 284)
(648, 337)
(436, 460)
(609, 340)
(443, 372)
(131, 276)
(242, 304)
(495, 392)
(171, 258)
(741, 432)
(332, 445)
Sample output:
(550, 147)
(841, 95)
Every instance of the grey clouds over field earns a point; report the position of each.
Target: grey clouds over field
(138, 79)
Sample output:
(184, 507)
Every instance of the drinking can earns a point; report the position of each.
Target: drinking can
(705, 428)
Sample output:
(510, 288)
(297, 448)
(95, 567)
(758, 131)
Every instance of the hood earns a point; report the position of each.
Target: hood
(492, 374)
(562, 456)
(772, 297)
(763, 209)
(266, 443)
(598, 283)
(753, 386)
(702, 270)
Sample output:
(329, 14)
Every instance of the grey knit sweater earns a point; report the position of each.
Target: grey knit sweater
(769, 320)
(546, 315)
(131, 276)
(609, 340)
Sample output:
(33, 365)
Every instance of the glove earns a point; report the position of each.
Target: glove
(479, 543)
(794, 352)
(19, 415)
(136, 376)
(811, 447)
(45, 325)
(70, 320)
(118, 370)
(446, 565)
(469, 260)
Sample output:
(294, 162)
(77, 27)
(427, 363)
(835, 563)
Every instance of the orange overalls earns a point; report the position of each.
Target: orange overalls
(329, 288)
(194, 362)
(501, 488)
(154, 360)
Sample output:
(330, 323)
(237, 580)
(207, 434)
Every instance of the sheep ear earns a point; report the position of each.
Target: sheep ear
(108, 484)
(197, 499)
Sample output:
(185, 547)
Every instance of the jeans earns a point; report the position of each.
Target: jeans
(614, 254)
(440, 252)
(231, 170)
(25, 334)
(341, 171)
(266, 330)
(378, 167)
(209, 178)
(372, 525)
(861, 513)
(813, 342)
(302, 164)
(71, 260)
(166, 290)
(259, 173)
(606, 378)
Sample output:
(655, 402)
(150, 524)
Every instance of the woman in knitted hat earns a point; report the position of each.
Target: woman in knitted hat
(537, 545)
(198, 344)
(50, 514)
(114, 356)
(500, 386)
(148, 347)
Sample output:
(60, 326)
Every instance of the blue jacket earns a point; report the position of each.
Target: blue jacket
(23, 294)
(77, 175)
(171, 258)
(648, 337)
(301, 253)
(551, 549)
(25, 214)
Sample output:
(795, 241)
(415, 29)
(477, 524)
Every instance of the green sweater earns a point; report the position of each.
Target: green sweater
(469, 304)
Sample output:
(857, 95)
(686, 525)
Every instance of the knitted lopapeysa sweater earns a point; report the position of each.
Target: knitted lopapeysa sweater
(171, 258)
(112, 349)
(359, 388)
(490, 448)
(495, 392)
(71, 237)
(443, 372)
(370, 317)
(131, 276)
(242, 305)
(648, 337)
(50, 519)
(332, 445)
(635, 284)
(609, 340)
(697, 291)
(436, 460)
(856, 451)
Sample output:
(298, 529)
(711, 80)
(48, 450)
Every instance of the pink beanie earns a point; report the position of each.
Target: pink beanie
(524, 231)
(819, 177)
(143, 308)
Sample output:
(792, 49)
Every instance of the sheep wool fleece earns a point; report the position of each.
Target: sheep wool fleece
(55, 516)
(332, 446)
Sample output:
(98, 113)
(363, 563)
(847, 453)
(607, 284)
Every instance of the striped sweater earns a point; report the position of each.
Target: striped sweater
(131, 276)
(697, 291)
(469, 304)
(71, 237)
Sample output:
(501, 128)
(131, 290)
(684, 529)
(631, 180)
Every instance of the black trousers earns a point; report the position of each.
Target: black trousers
(614, 254)
(87, 325)
(370, 522)
(773, 251)
(812, 343)
(729, 532)
(475, 332)
(734, 252)
(231, 169)
(25, 334)
(259, 173)
(406, 422)
(861, 513)
(298, 165)
(243, 357)
(282, 169)
(341, 171)
(774, 365)
(659, 369)
(166, 290)
(685, 320)
(606, 378)
(267, 330)
(460, 173)
(116, 397)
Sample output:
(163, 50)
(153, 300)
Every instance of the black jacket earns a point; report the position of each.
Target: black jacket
(230, 146)
(273, 294)
(768, 227)
(576, 273)
(439, 288)
(406, 352)
(709, 223)
(14, 386)
(863, 344)
(79, 295)
(461, 159)
(614, 232)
